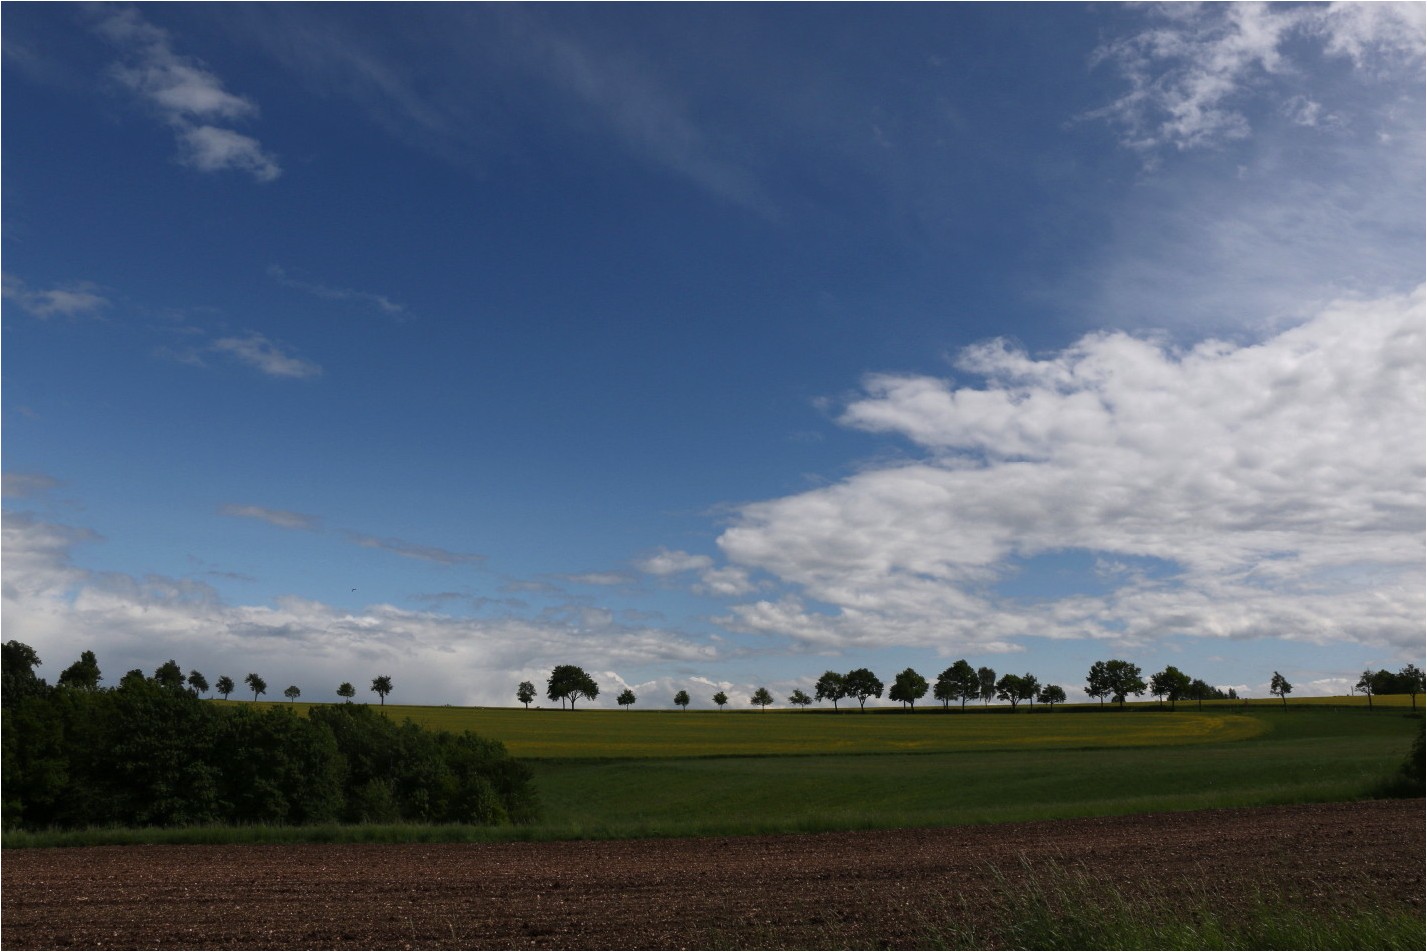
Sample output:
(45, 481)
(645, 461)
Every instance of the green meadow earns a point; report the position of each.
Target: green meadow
(615, 774)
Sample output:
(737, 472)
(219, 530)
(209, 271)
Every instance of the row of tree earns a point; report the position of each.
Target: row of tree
(85, 674)
(149, 752)
(1114, 680)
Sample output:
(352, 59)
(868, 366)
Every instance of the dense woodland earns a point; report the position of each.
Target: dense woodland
(148, 752)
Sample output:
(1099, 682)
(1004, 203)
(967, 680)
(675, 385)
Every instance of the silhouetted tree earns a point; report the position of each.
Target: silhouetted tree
(83, 674)
(1170, 683)
(1123, 679)
(762, 698)
(256, 684)
(957, 683)
(169, 676)
(720, 699)
(292, 693)
(799, 699)
(908, 688)
(830, 687)
(570, 682)
(1279, 685)
(626, 698)
(381, 684)
(1030, 684)
(1412, 682)
(346, 691)
(861, 683)
(1011, 688)
(1097, 682)
(1368, 684)
(986, 677)
(1051, 695)
(224, 686)
(525, 693)
(682, 699)
(197, 683)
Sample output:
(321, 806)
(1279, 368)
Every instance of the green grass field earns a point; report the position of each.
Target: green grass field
(607, 773)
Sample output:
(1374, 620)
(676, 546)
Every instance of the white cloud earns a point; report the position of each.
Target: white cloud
(673, 562)
(257, 351)
(188, 96)
(69, 301)
(61, 610)
(1283, 479)
(1191, 72)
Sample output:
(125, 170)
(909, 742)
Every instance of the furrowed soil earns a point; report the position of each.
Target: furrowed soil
(891, 889)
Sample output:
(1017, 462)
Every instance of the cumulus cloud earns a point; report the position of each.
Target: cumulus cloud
(1284, 480)
(71, 301)
(1190, 72)
(188, 96)
(62, 609)
(257, 351)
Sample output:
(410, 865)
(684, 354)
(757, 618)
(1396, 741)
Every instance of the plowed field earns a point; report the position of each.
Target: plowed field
(841, 889)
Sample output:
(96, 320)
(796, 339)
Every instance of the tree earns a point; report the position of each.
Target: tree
(682, 699)
(861, 683)
(292, 693)
(570, 682)
(626, 698)
(224, 686)
(720, 699)
(256, 684)
(1367, 684)
(1200, 690)
(799, 699)
(525, 693)
(908, 687)
(197, 682)
(1280, 686)
(18, 662)
(1170, 683)
(965, 682)
(1051, 695)
(381, 684)
(830, 687)
(169, 676)
(1030, 684)
(1097, 682)
(762, 698)
(83, 674)
(986, 680)
(346, 691)
(1123, 679)
(1411, 680)
(1011, 688)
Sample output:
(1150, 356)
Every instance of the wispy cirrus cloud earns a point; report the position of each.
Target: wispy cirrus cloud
(258, 352)
(187, 96)
(319, 290)
(69, 301)
(413, 550)
(282, 518)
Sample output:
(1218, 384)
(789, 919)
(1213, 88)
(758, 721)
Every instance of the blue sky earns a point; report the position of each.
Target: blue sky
(713, 347)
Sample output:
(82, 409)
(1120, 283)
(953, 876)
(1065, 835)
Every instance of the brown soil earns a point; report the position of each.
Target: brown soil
(879, 889)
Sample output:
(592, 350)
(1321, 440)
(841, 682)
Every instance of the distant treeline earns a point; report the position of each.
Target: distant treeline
(149, 753)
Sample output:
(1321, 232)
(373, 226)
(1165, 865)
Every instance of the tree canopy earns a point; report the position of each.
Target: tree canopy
(682, 700)
(525, 693)
(569, 682)
(761, 698)
(626, 698)
(720, 699)
(908, 687)
(255, 684)
(830, 687)
(381, 684)
(83, 674)
(861, 683)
